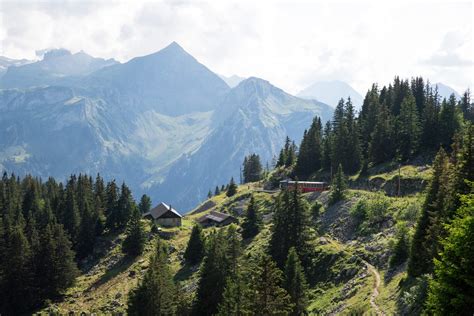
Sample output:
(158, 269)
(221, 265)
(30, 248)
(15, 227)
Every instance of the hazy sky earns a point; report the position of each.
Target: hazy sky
(289, 43)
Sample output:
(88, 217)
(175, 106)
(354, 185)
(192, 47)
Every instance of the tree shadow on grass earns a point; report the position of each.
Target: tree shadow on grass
(185, 272)
(122, 265)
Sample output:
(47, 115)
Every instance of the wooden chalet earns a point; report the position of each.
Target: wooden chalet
(164, 215)
(214, 218)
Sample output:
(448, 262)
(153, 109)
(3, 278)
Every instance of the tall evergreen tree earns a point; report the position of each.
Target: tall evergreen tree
(145, 204)
(338, 186)
(155, 294)
(134, 242)
(310, 153)
(232, 189)
(252, 221)
(295, 283)
(269, 298)
(195, 249)
(449, 121)
(408, 129)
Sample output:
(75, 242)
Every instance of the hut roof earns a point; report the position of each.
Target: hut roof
(160, 210)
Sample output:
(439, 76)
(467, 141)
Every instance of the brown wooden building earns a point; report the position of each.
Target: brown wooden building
(214, 218)
(164, 215)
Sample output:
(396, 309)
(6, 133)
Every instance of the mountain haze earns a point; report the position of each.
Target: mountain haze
(330, 92)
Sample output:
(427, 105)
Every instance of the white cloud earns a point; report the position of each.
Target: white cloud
(290, 43)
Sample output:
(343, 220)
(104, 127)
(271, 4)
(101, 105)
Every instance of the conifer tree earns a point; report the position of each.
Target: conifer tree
(195, 249)
(87, 232)
(269, 298)
(125, 206)
(420, 259)
(290, 227)
(134, 242)
(155, 295)
(71, 217)
(145, 204)
(252, 221)
(338, 186)
(212, 276)
(408, 129)
(295, 283)
(217, 191)
(449, 121)
(232, 189)
(452, 288)
(112, 213)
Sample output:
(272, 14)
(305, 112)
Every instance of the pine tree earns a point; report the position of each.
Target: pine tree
(338, 186)
(134, 242)
(195, 248)
(87, 232)
(145, 204)
(252, 221)
(232, 189)
(217, 191)
(408, 129)
(290, 227)
(310, 153)
(252, 168)
(269, 298)
(212, 276)
(155, 295)
(449, 121)
(420, 258)
(381, 147)
(295, 283)
(125, 206)
(452, 288)
(71, 217)
(111, 210)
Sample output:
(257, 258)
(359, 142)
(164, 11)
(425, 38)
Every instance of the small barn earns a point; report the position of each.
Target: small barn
(164, 215)
(214, 218)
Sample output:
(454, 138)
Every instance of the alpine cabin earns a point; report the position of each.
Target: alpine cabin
(164, 215)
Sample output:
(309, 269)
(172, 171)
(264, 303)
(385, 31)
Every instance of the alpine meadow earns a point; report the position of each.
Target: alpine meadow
(236, 158)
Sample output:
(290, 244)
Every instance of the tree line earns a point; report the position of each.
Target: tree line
(396, 123)
(48, 229)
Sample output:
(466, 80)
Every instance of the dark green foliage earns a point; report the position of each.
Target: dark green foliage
(195, 248)
(155, 295)
(295, 283)
(310, 151)
(422, 245)
(287, 155)
(252, 170)
(268, 295)
(125, 207)
(408, 129)
(252, 221)
(290, 227)
(232, 189)
(145, 204)
(401, 248)
(134, 242)
(217, 191)
(212, 276)
(448, 121)
(338, 186)
(452, 288)
(209, 194)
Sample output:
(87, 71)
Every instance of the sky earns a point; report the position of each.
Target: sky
(290, 43)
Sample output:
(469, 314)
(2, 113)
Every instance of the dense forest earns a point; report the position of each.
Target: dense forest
(49, 231)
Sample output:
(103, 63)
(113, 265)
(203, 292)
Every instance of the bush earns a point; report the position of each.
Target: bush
(401, 246)
(316, 209)
(369, 213)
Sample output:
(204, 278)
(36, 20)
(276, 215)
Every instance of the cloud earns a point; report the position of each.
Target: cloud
(291, 44)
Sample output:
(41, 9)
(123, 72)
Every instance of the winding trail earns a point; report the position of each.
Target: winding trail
(375, 291)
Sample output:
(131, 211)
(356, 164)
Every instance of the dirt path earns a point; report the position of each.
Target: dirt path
(375, 291)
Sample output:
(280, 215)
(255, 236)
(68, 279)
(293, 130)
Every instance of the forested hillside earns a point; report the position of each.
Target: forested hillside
(392, 235)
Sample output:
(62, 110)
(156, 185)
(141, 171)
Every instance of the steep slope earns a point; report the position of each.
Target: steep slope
(255, 117)
(170, 81)
(330, 92)
(55, 66)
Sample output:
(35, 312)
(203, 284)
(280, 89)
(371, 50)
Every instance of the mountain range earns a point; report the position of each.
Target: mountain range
(164, 122)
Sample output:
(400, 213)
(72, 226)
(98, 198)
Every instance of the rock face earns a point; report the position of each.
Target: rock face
(164, 123)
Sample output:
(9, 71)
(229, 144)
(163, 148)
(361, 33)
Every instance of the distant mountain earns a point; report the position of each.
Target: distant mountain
(254, 117)
(232, 81)
(6, 62)
(445, 91)
(170, 81)
(330, 92)
(99, 124)
(55, 66)
(164, 123)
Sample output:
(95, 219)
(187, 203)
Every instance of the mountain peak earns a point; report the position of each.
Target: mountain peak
(173, 47)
